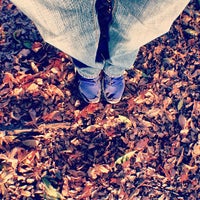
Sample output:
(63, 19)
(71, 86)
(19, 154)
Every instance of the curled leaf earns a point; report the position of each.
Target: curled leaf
(180, 104)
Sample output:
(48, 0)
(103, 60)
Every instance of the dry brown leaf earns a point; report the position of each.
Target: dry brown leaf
(88, 110)
(39, 81)
(142, 144)
(55, 91)
(98, 170)
(154, 112)
(91, 128)
(36, 46)
(51, 116)
(183, 177)
(181, 157)
(140, 157)
(87, 191)
(75, 142)
(146, 123)
(9, 79)
(167, 101)
(182, 121)
(5, 176)
(193, 169)
(31, 143)
(70, 77)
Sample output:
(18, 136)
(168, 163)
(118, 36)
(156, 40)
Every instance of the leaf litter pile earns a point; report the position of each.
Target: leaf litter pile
(54, 146)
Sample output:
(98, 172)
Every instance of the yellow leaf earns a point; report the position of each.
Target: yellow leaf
(54, 70)
(191, 32)
(25, 193)
(123, 119)
(32, 88)
(191, 168)
(196, 150)
(180, 104)
(34, 67)
(17, 91)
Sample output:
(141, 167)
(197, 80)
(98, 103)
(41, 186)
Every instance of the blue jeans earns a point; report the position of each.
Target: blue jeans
(72, 27)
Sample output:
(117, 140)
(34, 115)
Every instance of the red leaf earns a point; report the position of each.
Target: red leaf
(51, 116)
(142, 144)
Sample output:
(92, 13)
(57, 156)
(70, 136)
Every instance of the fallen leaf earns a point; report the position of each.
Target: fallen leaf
(125, 157)
(36, 46)
(25, 193)
(191, 32)
(51, 116)
(50, 191)
(196, 150)
(32, 88)
(182, 121)
(142, 144)
(91, 128)
(98, 170)
(31, 143)
(180, 104)
(34, 67)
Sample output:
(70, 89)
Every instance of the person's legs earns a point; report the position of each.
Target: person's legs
(134, 24)
(71, 26)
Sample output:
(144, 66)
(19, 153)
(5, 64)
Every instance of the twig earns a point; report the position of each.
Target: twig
(40, 128)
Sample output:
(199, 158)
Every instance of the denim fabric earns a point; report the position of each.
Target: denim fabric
(72, 27)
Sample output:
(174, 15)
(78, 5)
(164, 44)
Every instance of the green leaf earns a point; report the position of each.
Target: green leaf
(125, 158)
(27, 44)
(50, 191)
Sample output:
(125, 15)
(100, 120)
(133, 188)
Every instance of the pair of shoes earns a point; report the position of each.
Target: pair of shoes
(112, 87)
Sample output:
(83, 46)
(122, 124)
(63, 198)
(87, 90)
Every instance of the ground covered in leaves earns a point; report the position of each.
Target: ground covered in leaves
(54, 146)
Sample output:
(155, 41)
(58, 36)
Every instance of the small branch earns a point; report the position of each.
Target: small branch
(40, 128)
